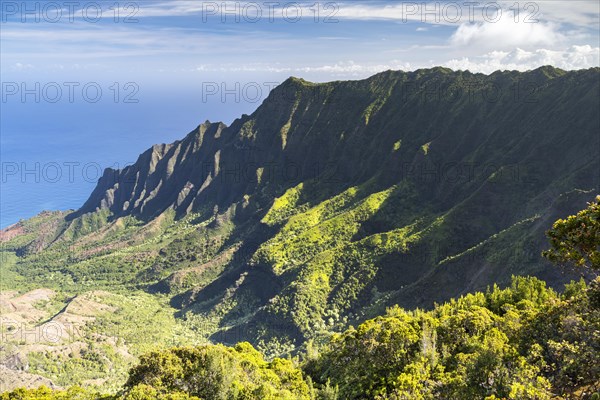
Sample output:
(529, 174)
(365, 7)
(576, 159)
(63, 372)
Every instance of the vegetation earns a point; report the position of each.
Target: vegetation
(576, 239)
(300, 227)
(522, 342)
(217, 372)
(44, 393)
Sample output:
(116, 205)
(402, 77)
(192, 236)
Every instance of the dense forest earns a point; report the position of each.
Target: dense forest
(525, 341)
(522, 342)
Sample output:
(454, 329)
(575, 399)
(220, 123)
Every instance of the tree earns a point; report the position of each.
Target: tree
(215, 372)
(576, 239)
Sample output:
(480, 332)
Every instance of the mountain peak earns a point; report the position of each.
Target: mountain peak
(292, 80)
(373, 192)
(549, 71)
(308, 124)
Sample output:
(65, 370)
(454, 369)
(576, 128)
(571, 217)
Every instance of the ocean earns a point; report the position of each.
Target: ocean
(52, 154)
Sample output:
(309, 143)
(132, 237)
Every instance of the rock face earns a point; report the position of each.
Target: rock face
(12, 379)
(454, 134)
(164, 176)
(345, 197)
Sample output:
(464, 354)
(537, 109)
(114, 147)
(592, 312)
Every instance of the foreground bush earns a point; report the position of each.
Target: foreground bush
(214, 373)
(522, 342)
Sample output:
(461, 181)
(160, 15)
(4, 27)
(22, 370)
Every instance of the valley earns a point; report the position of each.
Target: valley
(327, 208)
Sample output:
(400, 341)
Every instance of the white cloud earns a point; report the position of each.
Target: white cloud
(351, 68)
(507, 34)
(575, 12)
(92, 42)
(341, 69)
(478, 46)
(21, 67)
(575, 57)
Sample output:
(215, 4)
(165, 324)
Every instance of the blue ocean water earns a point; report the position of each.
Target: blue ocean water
(53, 153)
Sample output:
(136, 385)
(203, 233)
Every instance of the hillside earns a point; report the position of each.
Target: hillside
(525, 342)
(328, 204)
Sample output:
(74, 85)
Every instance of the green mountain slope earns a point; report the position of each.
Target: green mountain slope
(525, 342)
(331, 202)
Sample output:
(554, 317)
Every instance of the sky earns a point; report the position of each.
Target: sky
(97, 82)
(178, 39)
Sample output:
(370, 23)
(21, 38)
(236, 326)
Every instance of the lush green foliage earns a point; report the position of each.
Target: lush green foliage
(44, 393)
(522, 342)
(576, 239)
(412, 188)
(217, 372)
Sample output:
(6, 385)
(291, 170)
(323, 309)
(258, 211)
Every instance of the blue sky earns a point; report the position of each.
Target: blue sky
(190, 39)
(166, 54)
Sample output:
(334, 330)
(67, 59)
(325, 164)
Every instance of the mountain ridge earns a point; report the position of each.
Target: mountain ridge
(333, 201)
(277, 99)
